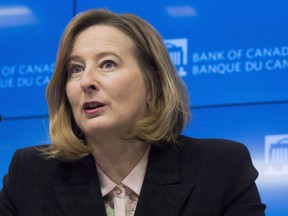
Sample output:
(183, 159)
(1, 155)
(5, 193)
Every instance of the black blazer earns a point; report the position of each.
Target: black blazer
(203, 177)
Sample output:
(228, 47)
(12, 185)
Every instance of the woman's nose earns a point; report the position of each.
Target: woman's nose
(88, 81)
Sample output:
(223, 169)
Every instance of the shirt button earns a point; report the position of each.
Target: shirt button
(118, 191)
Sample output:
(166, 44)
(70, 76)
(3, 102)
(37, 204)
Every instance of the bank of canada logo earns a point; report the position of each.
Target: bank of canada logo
(276, 154)
(178, 51)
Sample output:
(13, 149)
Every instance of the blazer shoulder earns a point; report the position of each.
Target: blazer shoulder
(29, 154)
(219, 159)
(213, 152)
(214, 146)
(30, 162)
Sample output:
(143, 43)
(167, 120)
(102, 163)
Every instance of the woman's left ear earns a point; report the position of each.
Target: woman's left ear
(148, 99)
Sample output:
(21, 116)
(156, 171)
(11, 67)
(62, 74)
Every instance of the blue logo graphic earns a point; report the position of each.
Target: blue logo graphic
(178, 51)
(276, 154)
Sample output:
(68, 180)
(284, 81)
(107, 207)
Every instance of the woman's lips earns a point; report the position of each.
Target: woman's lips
(92, 107)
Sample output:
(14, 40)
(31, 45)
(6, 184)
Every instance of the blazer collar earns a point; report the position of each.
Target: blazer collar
(81, 195)
(162, 192)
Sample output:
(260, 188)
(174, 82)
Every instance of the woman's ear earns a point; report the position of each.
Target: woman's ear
(148, 98)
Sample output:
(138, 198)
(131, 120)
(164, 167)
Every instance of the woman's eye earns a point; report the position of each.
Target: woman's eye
(76, 69)
(108, 64)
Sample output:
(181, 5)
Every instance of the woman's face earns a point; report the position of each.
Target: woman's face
(105, 86)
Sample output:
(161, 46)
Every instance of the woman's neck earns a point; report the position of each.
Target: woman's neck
(117, 158)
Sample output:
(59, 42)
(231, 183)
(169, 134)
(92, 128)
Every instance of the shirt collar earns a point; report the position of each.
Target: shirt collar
(133, 180)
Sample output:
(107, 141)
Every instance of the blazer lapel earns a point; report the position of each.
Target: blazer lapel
(82, 194)
(162, 192)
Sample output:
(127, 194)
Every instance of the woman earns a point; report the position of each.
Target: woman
(117, 108)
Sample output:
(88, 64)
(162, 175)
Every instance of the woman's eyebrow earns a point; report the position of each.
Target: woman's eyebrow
(97, 56)
(74, 58)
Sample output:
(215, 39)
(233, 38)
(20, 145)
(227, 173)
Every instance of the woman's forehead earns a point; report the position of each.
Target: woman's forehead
(99, 38)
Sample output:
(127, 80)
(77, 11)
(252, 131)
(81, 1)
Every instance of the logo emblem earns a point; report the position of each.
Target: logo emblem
(276, 154)
(178, 51)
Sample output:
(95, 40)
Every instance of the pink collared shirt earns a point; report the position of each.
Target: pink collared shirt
(121, 200)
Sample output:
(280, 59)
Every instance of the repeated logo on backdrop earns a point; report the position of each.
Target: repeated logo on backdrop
(226, 61)
(25, 75)
(178, 51)
(276, 154)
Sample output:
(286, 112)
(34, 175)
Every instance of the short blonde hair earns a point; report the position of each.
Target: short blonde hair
(168, 107)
